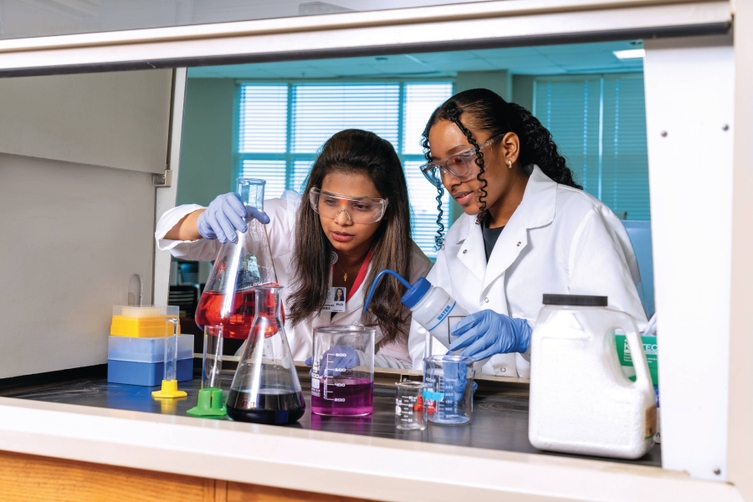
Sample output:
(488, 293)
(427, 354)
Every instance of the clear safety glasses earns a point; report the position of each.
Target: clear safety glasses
(358, 209)
(458, 165)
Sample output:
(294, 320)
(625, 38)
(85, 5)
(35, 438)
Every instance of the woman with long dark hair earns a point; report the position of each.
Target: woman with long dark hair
(351, 222)
(528, 228)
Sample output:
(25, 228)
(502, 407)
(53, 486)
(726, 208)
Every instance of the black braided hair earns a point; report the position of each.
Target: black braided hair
(539, 148)
(454, 115)
(440, 191)
(487, 111)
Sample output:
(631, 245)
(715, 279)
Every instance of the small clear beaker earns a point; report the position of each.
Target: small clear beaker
(342, 374)
(448, 396)
(409, 406)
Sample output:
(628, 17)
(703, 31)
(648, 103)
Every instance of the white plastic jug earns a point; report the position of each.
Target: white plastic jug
(580, 400)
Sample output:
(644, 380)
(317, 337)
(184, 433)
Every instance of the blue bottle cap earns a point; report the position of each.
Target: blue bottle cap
(414, 295)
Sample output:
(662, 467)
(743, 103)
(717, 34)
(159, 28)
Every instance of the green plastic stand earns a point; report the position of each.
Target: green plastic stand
(209, 404)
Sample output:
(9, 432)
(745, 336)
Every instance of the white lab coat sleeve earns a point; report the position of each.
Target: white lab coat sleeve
(199, 250)
(392, 355)
(600, 260)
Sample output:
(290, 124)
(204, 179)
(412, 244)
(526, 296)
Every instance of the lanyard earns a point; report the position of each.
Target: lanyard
(361, 274)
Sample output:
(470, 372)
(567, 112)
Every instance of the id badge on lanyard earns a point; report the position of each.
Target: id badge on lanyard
(335, 299)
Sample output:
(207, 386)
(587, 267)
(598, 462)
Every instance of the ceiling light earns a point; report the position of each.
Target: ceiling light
(630, 53)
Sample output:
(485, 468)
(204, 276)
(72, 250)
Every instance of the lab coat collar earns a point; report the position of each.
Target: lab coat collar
(539, 199)
(536, 210)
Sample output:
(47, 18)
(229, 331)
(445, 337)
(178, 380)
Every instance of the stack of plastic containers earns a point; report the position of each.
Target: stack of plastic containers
(136, 347)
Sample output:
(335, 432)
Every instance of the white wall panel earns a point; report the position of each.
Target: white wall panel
(75, 229)
(108, 119)
(73, 235)
(690, 113)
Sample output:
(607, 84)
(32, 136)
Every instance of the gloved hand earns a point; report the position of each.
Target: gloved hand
(485, 333)
(336, 360)
(225, 215)
(455, 379)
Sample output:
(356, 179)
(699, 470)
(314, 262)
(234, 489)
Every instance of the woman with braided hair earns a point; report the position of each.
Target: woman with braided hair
(528, 229)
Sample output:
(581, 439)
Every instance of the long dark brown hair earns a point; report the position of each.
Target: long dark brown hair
(487, 111)
(362, 152)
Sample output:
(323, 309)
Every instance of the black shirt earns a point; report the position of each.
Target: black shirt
(490, 236)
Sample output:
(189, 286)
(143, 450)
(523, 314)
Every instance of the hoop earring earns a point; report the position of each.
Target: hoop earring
(509, 164)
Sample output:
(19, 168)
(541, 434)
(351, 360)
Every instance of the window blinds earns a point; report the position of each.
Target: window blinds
(599, 126)
(319, 111)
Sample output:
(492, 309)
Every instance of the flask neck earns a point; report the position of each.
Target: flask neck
(268, 301)
(251, 192)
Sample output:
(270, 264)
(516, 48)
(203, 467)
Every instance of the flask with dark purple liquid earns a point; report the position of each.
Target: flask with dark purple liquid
(265, 386)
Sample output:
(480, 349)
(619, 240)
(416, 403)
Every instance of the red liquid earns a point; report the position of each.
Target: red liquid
(237, 323)
(343, 397)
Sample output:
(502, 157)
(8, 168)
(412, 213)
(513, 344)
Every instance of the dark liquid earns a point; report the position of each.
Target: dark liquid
(237, 323)
(343, 397)
(270, 408)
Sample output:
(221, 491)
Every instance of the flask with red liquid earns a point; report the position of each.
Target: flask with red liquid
(228, 299)
(265, 386)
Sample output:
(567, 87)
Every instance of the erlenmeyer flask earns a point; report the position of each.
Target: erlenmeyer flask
(228, 298)
(265, 387)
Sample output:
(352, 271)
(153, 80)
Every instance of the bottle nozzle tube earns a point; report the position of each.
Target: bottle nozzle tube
(376, 282)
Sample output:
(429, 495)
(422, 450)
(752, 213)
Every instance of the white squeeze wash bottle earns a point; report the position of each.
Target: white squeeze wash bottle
(431, 306)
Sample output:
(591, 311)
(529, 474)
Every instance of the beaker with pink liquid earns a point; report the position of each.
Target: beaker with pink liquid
(342, 376)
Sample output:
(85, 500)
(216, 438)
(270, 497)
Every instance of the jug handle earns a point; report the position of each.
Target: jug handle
(636, 347)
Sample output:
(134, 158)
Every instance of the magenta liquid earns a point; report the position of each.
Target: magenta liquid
(342, 397)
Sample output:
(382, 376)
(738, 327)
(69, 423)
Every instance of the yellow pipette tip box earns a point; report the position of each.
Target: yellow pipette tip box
(142, 322)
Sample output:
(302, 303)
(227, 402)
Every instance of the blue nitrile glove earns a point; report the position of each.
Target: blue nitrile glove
(336, 360)
(455, 378)
(225, 215)
(485, 333)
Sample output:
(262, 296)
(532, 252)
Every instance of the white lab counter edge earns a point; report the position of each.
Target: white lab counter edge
(340, 464)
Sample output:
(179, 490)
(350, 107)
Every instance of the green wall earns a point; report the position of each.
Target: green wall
(206, 150)
(522, 91)
(497, 81)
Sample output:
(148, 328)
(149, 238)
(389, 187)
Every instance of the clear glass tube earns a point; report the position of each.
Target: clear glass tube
(211, 362)
(171, 350)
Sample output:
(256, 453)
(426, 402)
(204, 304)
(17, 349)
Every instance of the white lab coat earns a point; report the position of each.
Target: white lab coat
(560, 240)
(281, 232)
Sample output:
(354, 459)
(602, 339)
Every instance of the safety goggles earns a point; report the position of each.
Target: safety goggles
(458, 165)
(358, 209)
